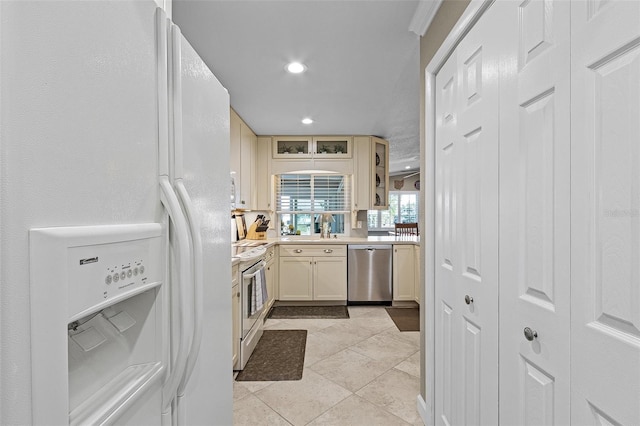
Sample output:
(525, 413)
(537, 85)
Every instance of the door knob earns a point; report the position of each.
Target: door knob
(530, 334)
(468, 299)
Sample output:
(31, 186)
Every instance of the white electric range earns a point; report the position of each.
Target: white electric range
(252, 262)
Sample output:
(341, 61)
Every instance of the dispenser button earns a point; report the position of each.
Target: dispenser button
(129, 273)
(135, 271)
(116, 277)
(108, 280)
(141, 269)
(122, 275)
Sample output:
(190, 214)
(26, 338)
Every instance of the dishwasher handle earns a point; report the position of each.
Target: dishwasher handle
(369, 247)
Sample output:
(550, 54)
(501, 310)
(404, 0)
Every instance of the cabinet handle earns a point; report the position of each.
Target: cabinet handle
(297, 251)
(328, 250)
(530, 334)
(468, 299)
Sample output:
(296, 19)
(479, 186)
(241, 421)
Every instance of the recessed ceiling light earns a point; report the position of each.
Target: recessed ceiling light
(307, 121)
(407, 167)
(296, 68)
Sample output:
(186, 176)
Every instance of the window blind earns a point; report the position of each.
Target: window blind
(304, 193)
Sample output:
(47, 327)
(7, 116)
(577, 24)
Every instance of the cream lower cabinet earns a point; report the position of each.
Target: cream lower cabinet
(296, 278)
(329, 278)
(404, 269)
(235, 314)
(270, 275)
(417, 280)
(313, 273)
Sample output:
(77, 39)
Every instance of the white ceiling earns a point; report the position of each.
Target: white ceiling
(363, 65)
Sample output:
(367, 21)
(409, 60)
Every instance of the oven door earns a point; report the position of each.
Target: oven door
(249, 318)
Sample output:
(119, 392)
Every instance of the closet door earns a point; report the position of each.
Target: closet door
(535, 215)
(605, 212)
(476, 278)
(467, 229)
(447, 262)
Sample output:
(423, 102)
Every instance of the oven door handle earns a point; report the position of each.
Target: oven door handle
(248, 276)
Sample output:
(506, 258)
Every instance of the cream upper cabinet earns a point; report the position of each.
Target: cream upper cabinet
(264, 178)
(362, 175)
(292, 147)
(234, 152)
(404, 273)
(319, 147)
(243, 162)
(380, 174)
(371, 173)
(248, 148)
(313, 272)
(332, 147)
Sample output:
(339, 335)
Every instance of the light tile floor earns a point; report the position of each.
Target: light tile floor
(357, 371)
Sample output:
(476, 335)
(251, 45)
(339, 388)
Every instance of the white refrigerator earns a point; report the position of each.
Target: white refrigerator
(107, 118)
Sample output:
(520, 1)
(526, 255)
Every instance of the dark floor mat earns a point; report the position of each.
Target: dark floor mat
(302, 312)
(406, 319)
(279, 355)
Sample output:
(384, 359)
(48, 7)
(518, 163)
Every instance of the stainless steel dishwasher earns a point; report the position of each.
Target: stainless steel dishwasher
(369, 274)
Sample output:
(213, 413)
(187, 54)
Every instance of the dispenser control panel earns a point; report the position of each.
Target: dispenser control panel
(99, 265)
(102, 272)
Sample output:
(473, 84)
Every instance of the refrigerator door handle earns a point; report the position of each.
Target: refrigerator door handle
(198, 278)
(171, 203)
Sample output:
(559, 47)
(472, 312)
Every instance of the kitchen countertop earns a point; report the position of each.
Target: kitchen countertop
(346, 240)
(296, 240)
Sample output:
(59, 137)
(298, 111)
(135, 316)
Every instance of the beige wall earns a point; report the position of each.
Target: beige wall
(448, 14)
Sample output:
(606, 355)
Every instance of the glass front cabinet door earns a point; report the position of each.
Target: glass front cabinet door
(292, 147)
(332, 146)
(380, 174)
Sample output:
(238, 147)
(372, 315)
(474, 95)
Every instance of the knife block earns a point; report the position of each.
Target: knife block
(252, 234)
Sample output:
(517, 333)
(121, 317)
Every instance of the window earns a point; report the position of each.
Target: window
(403, 208)
(302, 198)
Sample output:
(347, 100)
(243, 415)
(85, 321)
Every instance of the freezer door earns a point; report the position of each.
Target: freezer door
(370, 273)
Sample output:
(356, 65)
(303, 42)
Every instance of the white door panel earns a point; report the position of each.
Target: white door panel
(605, 244)
(535, 214)
(446, 87)
(467, 230)
(476, 278)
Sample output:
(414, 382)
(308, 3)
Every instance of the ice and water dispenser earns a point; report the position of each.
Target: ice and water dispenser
(99, 323)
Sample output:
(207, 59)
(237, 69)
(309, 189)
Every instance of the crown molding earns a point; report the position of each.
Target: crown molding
(423, 16)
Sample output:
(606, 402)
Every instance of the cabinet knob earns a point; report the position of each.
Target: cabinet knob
(468, 299)
(297, 251)
(530, 334)
(328, 250)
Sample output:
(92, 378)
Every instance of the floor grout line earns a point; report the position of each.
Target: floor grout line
(322, 333)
